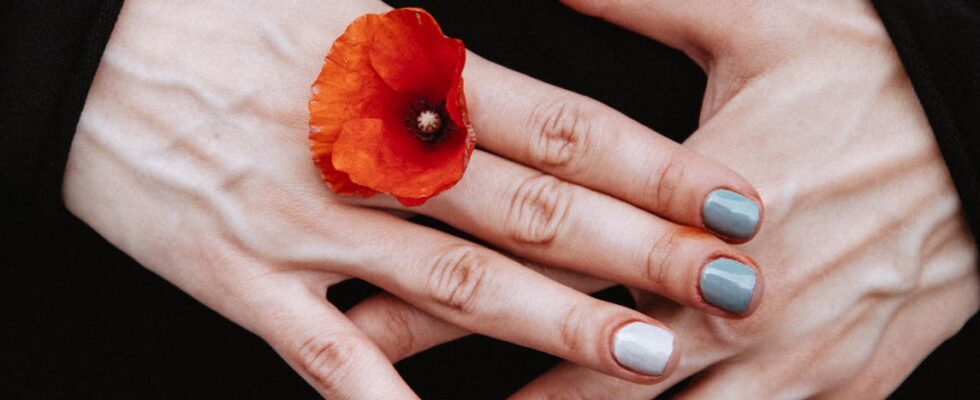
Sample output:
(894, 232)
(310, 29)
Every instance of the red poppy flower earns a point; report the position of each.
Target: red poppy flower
(388, 113)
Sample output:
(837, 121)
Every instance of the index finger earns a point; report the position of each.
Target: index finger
(582, 141)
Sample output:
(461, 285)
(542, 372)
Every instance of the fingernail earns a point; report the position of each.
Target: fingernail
(643, 348)
(731, 214)
(728, 284)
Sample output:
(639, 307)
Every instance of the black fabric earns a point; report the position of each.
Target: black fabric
(939, 43)
(51, 51)
(81, 320)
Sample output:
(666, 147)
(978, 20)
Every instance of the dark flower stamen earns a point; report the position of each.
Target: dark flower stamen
(429, 123)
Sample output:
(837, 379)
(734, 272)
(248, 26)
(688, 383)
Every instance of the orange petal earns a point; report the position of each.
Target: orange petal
(412, 55)
(346, 88)
(373, 74)
(359, 153)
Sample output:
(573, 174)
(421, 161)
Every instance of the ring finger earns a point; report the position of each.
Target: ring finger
(485, 292)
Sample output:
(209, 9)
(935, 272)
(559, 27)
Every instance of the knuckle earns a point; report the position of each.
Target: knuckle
(538, 210)
(735, 335)
(397, 327)
(561, 133)
(457, 278)
(660, 256)
(724, 333)
(572, 325)
(668, 181)
(328, 358)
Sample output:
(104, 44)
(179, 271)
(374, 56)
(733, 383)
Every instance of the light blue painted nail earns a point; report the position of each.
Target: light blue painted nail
(728, 284)
(730, 214)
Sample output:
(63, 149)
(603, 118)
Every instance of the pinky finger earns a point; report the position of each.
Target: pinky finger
(330, 353)
(570, 381)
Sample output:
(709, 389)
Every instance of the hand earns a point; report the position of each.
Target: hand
(871, 260)
(192, 157)
(868, 260)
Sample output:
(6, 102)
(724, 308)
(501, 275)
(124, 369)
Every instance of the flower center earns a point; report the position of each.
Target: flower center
(428, 122)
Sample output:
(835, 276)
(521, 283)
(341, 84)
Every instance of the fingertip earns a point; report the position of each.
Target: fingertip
(675, 359)
(755, 197)
(760, 288)
(734, 215)
(730, 286)
(645, 351)
(758, 293)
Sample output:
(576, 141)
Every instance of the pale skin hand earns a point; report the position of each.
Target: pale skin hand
(192, 156)
(868, 261)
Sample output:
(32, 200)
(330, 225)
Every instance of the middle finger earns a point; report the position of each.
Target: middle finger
(549, 221)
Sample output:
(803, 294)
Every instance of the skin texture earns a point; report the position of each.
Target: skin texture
(867, 258)
(192, 157)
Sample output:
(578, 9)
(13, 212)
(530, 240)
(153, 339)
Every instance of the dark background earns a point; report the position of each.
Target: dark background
(82, 320)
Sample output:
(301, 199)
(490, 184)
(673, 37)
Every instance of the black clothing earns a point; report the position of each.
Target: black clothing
(81, 319)
(939, 43)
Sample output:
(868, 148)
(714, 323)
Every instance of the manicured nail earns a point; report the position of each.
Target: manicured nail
(728, 284)
(643, 348)
(730, 214)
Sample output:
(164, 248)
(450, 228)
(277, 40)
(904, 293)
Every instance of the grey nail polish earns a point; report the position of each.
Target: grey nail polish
(643, 348)
(728, 284)
(730, 214)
